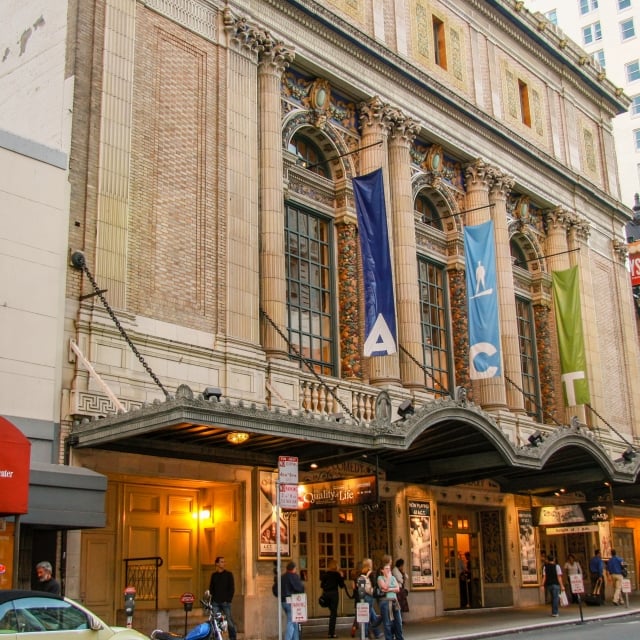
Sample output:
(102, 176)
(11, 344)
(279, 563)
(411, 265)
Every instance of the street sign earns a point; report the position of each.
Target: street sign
(288, 470)
(362, 612)
(298, 607)
(577, 584)
(289, 496)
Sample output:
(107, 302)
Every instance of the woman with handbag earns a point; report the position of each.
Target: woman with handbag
(403, 580)
(331, 582)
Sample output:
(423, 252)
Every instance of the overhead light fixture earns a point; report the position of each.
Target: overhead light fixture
(313, 465)
(406, 409)
(237, 437)
(560, 492)
(212, 392)
(535, 439)
(629, 455)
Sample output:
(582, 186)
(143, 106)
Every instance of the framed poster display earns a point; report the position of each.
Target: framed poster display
(421, 569)
(528, 556)
(267, 518)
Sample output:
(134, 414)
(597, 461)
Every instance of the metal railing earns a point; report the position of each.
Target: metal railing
(142, 573)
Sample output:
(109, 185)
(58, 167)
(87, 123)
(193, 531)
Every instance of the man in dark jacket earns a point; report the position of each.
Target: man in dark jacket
(46, 581)
(290, 583)
(222, 588)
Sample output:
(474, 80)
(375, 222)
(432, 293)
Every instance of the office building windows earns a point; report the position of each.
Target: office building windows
(636, 139)
(552, 16)
(592, 33)
(634, 109)
(623, 4)
(586, 6)
(632, 70)
(598, 56)
(627, 29)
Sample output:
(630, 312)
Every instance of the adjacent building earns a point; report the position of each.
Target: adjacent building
(608, 32)
(381, 243)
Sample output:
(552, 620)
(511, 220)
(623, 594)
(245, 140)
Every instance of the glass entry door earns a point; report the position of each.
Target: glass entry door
(328, 534)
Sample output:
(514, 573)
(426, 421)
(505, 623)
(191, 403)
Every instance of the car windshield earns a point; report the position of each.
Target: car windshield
(40, 614)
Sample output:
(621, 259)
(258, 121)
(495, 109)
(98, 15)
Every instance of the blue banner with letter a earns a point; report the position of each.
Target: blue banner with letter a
(482, 302)
(380, 314)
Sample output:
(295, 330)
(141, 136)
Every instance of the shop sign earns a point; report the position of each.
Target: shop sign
(298, 603)
(582, 528)
(634, 266)
(572, 514)
(338, 493)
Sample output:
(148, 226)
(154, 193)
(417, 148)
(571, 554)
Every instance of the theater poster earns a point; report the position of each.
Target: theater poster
(268, 519)
(421, 570)
(528, 556)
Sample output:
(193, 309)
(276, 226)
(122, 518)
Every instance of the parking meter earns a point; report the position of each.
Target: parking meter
(361, 584)
(129, 604)
(187, 600)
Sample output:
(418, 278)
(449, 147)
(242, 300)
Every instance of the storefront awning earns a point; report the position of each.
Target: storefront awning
(64, 497)
(15, 455)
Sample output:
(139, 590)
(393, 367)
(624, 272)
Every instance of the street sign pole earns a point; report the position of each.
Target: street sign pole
(278, 554)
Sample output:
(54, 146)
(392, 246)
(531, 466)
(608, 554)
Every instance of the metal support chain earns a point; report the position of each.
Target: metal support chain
(308, 365)
(524, 395)
(78, 261)
(443, 391)
(609, 425)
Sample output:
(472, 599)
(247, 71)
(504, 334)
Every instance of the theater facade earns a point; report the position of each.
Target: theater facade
(383, 239)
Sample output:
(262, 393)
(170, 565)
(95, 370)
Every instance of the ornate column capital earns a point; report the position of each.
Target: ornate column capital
(376, 114)
(620, 250)
(273, 55)
(403, 129)
(558, 218)
(580, 228)
(478, 174)
(501, 183)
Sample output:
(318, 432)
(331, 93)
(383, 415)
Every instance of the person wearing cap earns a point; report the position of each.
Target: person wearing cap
(290, 583)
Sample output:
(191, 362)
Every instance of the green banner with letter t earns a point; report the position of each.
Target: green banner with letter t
(573, 361)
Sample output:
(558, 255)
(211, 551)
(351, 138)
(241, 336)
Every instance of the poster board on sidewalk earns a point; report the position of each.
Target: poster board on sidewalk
(528, 556)
(421, 572)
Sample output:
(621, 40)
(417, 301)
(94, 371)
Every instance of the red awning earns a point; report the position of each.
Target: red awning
(15, 457)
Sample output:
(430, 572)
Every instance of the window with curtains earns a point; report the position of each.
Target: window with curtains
(436, 339)
(528, 360)
(310, 273)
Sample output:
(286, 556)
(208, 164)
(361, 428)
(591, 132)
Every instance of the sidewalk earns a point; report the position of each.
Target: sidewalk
(489, 623)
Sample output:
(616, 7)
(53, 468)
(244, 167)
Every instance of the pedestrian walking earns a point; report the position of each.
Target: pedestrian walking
(290, 583)
(553, 582)
(614, 569)
(331, 583)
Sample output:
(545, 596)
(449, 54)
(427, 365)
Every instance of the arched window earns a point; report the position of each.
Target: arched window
(309, 155)
(428, 212)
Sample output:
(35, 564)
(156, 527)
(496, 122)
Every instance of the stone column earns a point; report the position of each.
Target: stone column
(489, 392)
(273, 60)
(556, 247)
(509, 338)
(403, 132)
(114, 166)
(374, 122)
